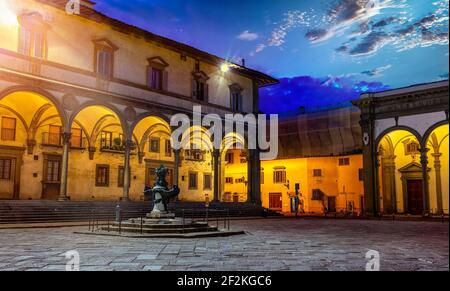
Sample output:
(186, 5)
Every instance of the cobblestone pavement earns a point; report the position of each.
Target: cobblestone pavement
(273, 244)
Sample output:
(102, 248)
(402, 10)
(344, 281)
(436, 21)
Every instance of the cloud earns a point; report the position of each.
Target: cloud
(385, 22)
(377, 72)
(370, 44)
(315, 93)
(316, 34)
(248, 36)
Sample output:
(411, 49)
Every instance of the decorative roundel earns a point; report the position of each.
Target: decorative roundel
(366, 139)
(130, 113)
(70, 102)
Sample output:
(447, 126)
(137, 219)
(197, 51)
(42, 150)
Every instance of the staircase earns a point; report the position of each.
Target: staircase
(40, 211)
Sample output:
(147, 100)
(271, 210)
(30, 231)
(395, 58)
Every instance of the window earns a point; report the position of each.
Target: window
(207, 181)
(168, 148)
(229, 158)
(104, 65)
(412, 148)
(31, 42)
(317, 195)
(54, 135)
(279, 176)
(317, 173)
(240, 180)
(8, 129)
(53, 171)
(156, 76)
(200, 89)
(344, 161)
(361, 174)
(106, 140)
(193, 181)
(236, 97)
(5, 169)
(120, 176)
(154, 145)
(194, 155)
(236, 101)
(229, 180)
(102, 176)
(76, 139)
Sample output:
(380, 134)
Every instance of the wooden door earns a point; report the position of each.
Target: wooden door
(7, 177)
(415, 197)
(275, 201)
(331, 204)
(52, 178)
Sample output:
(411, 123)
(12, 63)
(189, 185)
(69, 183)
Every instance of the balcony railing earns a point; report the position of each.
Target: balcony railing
(55, 139)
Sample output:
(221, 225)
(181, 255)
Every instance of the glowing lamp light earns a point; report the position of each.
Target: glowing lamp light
(225, 68)
(7, 16)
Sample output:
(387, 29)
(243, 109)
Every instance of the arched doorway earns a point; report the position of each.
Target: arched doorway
(30, 146)
(438, 159)
(401, 184)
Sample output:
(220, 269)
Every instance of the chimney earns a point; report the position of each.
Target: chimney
(243, 63)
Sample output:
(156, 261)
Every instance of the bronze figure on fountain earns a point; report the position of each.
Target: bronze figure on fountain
(160, 194)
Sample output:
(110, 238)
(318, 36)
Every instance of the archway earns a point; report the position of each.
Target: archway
(154, 148)
(30, 144)
(401, 184)
(438, 159)
(96, 168)
(234, 169)
(196, 169)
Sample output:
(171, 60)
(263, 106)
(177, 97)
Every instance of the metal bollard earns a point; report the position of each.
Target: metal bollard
(118, 213)
(142, 224)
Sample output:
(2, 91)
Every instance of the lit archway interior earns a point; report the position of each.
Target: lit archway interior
(96, 155)
(234, 170)
(196, 168)
(400, 173)
(31, 141)
(153, 145)
(438, 160)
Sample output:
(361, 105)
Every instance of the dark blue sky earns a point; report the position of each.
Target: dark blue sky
(325, 52)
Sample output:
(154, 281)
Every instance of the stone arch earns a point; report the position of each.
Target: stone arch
(108, 106)
(430, 130)
(41, 92)
(395, 128)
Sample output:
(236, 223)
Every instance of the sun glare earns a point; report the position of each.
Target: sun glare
(7, 15)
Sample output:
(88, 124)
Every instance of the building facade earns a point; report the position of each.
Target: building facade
(86, 101)
(405, 150)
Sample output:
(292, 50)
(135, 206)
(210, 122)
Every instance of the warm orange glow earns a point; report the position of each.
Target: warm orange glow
(7, 15)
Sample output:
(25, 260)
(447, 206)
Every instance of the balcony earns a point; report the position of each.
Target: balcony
(56, 140)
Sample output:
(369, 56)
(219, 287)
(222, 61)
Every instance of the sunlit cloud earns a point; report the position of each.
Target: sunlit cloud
(248, 36)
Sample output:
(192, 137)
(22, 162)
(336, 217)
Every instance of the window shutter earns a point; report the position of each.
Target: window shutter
(206, 93)
(149, 76)
(165, 81)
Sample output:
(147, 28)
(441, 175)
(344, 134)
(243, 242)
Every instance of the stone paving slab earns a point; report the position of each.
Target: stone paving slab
(273, 244)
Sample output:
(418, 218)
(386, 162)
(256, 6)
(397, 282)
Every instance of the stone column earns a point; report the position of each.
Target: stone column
(256, 176)
(424, 163)
(216, 165)
(64, 166)
(388, 172)
(250, 198)
(176, 167)
(437, 170)
(126, 171)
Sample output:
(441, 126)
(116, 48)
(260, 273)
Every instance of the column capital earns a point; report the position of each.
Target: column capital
(66, 136)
